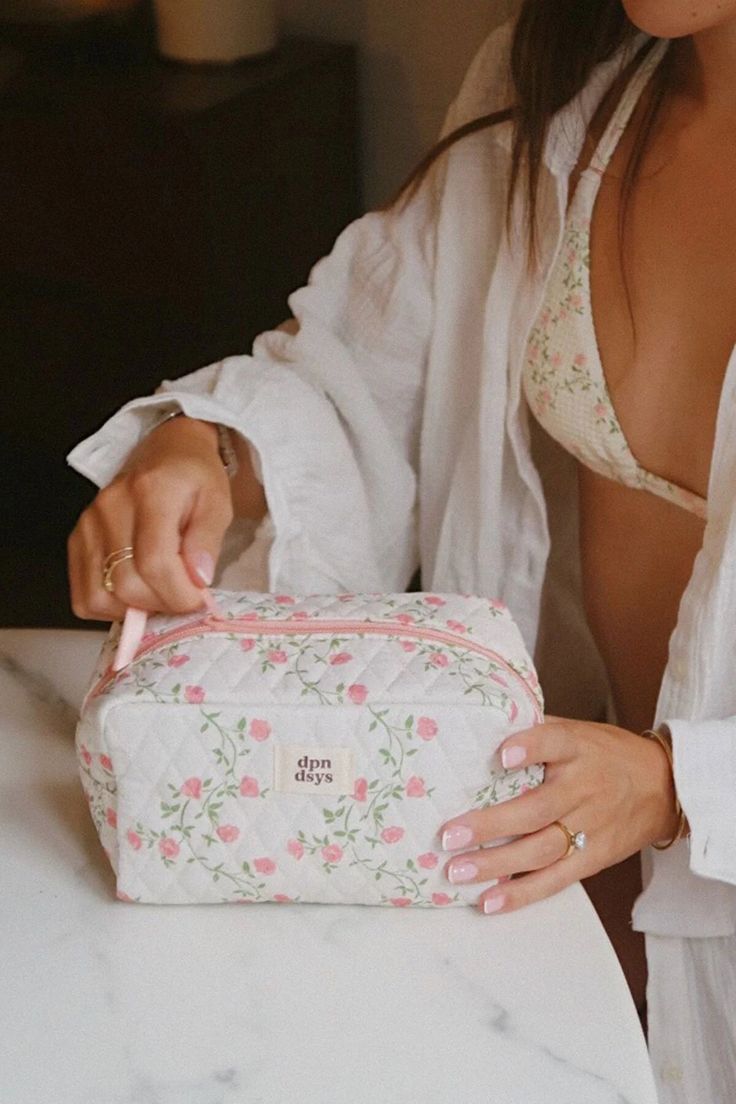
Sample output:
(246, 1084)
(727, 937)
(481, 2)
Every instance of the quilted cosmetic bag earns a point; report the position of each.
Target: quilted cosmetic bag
(304, 749)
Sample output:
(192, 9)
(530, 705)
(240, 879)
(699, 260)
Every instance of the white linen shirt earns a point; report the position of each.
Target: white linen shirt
(392, 431)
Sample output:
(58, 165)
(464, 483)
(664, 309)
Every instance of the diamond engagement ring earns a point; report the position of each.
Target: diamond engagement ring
(576, 841)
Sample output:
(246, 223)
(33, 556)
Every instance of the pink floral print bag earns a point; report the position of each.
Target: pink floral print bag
(304, 748)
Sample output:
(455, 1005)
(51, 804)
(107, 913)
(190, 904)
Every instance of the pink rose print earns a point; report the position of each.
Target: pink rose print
(277, 656)
(457, 626)
(408, 645)
(439, 659)
(497, 604)
(405, 618)
(415, 787)
(168, 847)
(147, 638)
(360, 791)
(400, 902)
(194, 694)
(106, 762)
(599, 410)
(260, 729)
(581, 360)
(86, 755)
(284, 599)
(247, 644)
(357, 693)
(332, 853)
(345, 597)
(250, 617)
(264, 866)
(428, 860)
(178, 660)
(498, 679)
(392, 834)
(122, 896)
(525, 789)
(575, 301)
(111, 818)
(435, 600)
(134, 840)
(513, 711)
(228, 833)
(295, 848)
(249, 786)
(426, 728)
(341, 657)
(440, 899)
(192, 787)
(281, 897)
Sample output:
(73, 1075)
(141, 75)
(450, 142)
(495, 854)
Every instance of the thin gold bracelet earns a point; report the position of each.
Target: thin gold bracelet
(654, 734)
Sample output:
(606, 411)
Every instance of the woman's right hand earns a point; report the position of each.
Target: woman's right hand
(171, 503)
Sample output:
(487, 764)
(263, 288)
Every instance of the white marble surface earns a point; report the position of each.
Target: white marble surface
(111, 1003)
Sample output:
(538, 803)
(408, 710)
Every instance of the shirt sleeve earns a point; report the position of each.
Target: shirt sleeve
(332, 410)
(704, 754)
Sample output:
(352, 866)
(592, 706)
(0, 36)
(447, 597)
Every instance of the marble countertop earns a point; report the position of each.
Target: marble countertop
(106, 1002)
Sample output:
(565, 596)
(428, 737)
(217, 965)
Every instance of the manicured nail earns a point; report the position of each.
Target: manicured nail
(460, 871)
(512, 757)
(493, 904)
(204, 565)
(457, 836)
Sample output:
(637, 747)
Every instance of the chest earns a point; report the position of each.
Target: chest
(663, 296)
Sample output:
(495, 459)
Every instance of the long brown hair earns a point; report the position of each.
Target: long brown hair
(555, 46)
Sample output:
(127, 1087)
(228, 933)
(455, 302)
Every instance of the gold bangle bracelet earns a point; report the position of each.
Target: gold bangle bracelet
(655, 734)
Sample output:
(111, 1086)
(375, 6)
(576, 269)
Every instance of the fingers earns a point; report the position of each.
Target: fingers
(201, 539)
(156, 516)
(519, 892)
(527, 813)
(531, 852)
(552, 742)
(159, 566)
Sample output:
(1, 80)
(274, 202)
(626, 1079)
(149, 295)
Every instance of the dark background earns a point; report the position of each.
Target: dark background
(154, 217)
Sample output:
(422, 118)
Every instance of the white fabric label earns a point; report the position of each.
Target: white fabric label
(313, 769)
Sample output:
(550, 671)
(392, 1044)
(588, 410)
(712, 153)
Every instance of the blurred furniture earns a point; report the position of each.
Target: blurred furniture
(155, 218)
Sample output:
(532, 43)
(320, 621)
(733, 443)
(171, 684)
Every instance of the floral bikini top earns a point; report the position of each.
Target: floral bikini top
(562, 376)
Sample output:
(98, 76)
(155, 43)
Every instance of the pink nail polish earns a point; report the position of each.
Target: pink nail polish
(204, 565)
(512, 757)
(457, 836)
(460, 871)
(493, 904)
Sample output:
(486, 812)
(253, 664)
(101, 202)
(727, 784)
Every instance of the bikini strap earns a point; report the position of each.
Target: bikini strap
(627, 102)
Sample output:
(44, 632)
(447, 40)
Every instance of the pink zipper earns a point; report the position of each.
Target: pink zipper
(250, 626)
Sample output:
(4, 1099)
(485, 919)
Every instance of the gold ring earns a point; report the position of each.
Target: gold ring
(576, 841)
(120, 555)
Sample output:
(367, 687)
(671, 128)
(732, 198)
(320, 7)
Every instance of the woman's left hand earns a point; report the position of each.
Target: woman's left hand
(611, 784)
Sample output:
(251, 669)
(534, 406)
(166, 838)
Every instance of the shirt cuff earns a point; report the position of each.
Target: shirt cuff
(704, 754)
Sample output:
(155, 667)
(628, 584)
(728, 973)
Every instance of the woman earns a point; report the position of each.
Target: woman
(439, 398)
